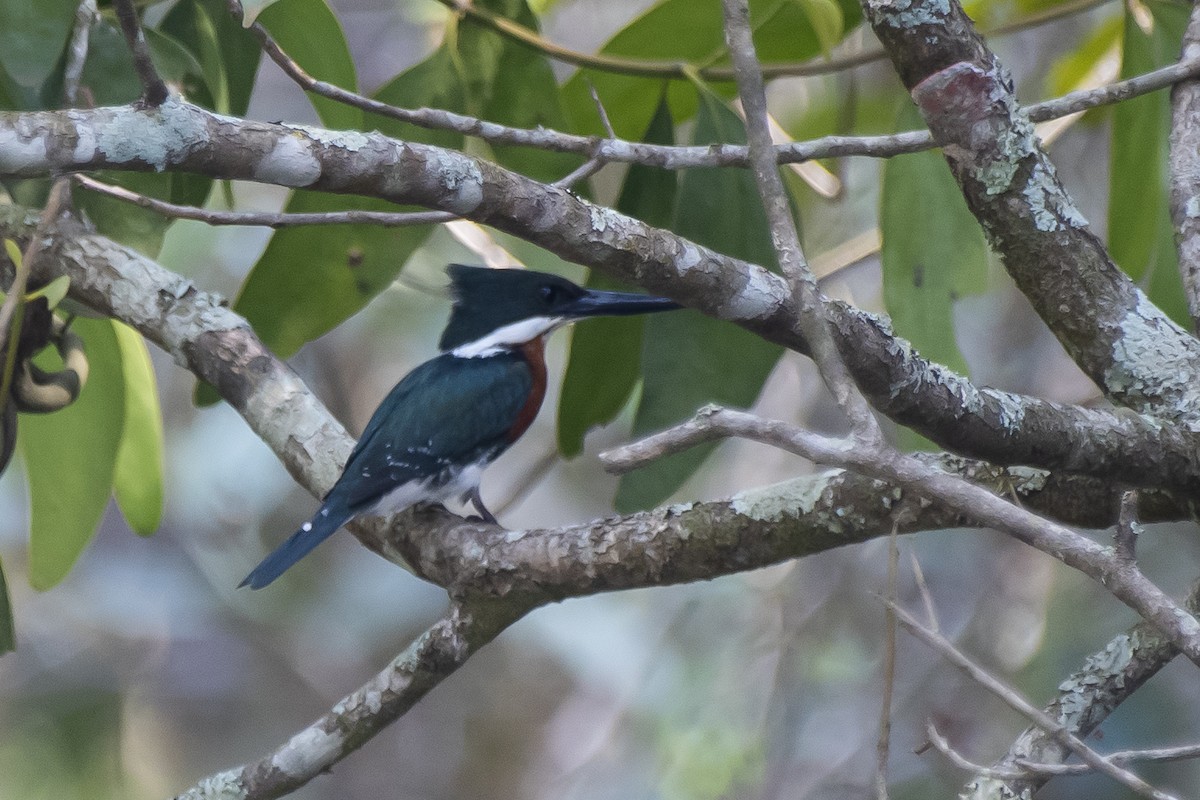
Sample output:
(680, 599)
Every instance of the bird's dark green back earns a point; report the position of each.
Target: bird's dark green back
(448, 412)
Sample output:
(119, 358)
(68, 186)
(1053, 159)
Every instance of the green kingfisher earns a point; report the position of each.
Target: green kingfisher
(444, 422)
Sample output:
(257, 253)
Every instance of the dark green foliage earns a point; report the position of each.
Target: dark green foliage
(605, 364)
(689, 359)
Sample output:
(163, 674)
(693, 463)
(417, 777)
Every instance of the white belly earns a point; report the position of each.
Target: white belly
(461, 483)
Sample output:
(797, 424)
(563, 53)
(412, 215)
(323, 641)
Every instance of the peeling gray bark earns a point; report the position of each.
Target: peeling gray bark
(1133, 351)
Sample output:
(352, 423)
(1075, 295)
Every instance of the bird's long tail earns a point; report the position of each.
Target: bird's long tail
(298, 545)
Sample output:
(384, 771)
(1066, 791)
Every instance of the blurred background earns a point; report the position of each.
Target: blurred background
(146, 670)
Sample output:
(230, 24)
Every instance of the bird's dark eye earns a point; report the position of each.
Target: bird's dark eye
(550, 294)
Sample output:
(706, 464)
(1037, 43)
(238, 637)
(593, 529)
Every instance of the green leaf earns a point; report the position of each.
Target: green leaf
(1069, 71)
(1140, 233)
(228, 54)
(827, 22)
(433, 83)
(1025, 7)
(137, 475)
(133, 226)
(311, 34)
(514, 85)
(108, 72)
(795, 30)
(110, 75)
(933, 250)
(310, 279)
(605, 361)
(13, 252)
(690, 32)
(54, 291)
(32, 37)
(252, 8)
(688, 359)
(8, 639)
(7, 101)
(69, 457)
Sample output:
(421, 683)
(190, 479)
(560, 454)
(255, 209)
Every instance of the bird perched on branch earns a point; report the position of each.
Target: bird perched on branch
(443, 423)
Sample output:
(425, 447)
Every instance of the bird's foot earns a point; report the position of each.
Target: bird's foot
(484, 514)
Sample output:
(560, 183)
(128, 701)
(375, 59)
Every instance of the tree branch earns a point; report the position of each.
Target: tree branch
(85, 17)
(154, 91)
(266, 219)
(649, 68)
(1185, 171)
(1117, 336)
(1014, 429)
(672, 545)
(1119, 576)
(810, 303)
(614, 150)
(792, 519)
(1084, 700)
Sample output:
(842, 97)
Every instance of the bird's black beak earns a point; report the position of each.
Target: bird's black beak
(598, 303)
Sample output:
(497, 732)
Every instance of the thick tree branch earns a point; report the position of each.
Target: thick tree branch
(1126, 345)
(1185, 171)
(668, 545)
(1140, 451)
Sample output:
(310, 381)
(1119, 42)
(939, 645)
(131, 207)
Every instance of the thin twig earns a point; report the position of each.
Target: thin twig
(784, 236)
(942, 745)
(85, 17)
(284, 219)
(883, 744)
(267, 219)
(1014, 700)
(616, 150)
(595, 163)
(1126, 534)
(529, 481)
(1160, 754)
(358, 717)
(923, 589)
(154, 91)
(602, 112)
(584, 171)
(1084, 699)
